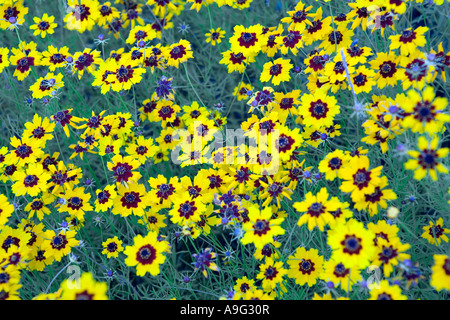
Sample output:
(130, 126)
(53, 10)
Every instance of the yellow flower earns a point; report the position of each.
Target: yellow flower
(352, 244)
(59, 245)
(112, 247)
(316, 209)
(434, 233)
(47, 86)
(271, 273)
(31, 181)
(178, 53)
(84, 288)
(247, 41)
(305, 266)
(82, 15)
(261, 227)
(440, 279)
(318, 109)
(424, 111)
(385, 291)
(146, 254)
(426, 160)
(409, 41)
(277, 71)
(215, 36)
(44, 25)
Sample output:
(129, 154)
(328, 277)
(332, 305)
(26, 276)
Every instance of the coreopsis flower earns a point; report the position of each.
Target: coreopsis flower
(339, 275)
(416, 72)
(63, 177)
(257, 294)
(133, 15)
(409, 41)
(123, 169)
(166, 111)
(178, 53)
(359, 180)
(141, 33)
(127, 73)
(30, 181)
(372, 201)
(86, 61)
(12, 11)
(102, 74)
(154, 58)
(435, 233)
(352, 244)
(153, 221)
(75, 202)
(305, 266)
(286, 104)
(115, 27)
(215, 36)
(439, 60)
(287, 142)
(39, 206)
(298, 18)
(24, 57)
(424, 111)
(112, 247)
(26, 151)
(242, 286)
(55, 58)
(146, 254)
(359, 15)
(440, 278)
(386, 291)
(316, 209)
(163, 190)
(261, 227)
(105, 198)
(319, 28)
(43, 26)
(426, 160)
(318, 109)
(6, 209)
(237, 4)
(271, 46)
(272, 274)
(107, 14)
(82, 15)
(247, 41)
(383, 230)
(60, 244)
(236, 61)
(292, 42)
(274, 190)
(358, 54)
(162, 8)
(276, 71)
(363, 79)
(87, 289)
(40, 129)
(334, 72)
(387, 66)
(333, 163)
(186, 210)
(131, 199)
(389, 254)
(47, 86)
(4, 61)
(337, 38)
